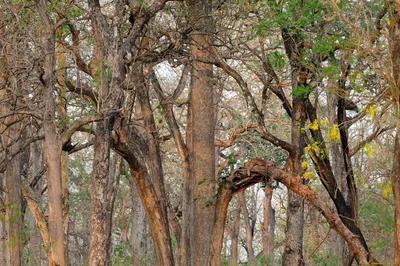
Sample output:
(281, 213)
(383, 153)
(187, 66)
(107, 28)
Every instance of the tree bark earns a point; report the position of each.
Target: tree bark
(52, 143)
(62, 112)
(138, 231)
(35, 241)
(98, 248)
(395, 58)
(267, 226)
(293, 253)
(235, 235)
(14, 211)
(202, 134)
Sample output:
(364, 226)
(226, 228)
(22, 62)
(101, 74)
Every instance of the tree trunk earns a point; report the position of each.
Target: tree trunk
(98, 248)
(152, 155)
(112, 191)
(14, 211)
(249, 231)
(52, 143)
(268, 226)
(235, 235)
(187, 204)
(293, 253)
(62, 111)
(13, 202)
(202, 135)
(396, 191)
(395, 57)
(3, 240)
(224, 196)
(138, 231)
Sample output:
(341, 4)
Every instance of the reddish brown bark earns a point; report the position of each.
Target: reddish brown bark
(202, 161)
(395, 58)
(52, 141)
(239, 180)
(235, 235)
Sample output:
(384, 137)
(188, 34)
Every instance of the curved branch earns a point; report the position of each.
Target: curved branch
(40, 218)
(77, 125)
(246, 176)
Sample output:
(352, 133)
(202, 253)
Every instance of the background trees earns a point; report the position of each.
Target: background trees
(142, 131)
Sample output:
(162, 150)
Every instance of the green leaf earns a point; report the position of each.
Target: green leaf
(322, 46)
(301, 91)
(277, 59)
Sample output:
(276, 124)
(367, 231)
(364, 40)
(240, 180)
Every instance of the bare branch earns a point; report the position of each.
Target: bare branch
(370, 138)
(258, 114)
(77, 125)
(81, 91)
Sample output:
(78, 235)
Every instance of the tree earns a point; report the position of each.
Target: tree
(182, 91)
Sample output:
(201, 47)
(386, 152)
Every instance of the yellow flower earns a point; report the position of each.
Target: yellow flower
(371, 109)
(387, 189)
(307, 175)
(324, 122)
(333, 133)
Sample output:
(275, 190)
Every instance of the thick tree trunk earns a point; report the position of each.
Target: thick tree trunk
(138, 230)
(396, 193)
(52, 143)
(152, 156)
(3, 239)
(151, 204)
(202, 135)
(98, 248)
(62, 111)
(112, 191)
(224, 196)
(11, 133)
(14, 211)
(13, 202)
(147, 194)
(395, 57)
(293, 253)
